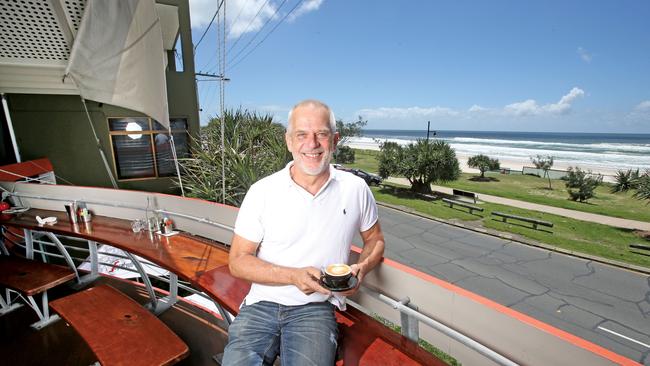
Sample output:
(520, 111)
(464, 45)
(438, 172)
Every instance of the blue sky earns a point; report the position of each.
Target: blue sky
(565, 66)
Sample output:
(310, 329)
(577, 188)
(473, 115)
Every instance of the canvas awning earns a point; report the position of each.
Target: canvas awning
(39, 37)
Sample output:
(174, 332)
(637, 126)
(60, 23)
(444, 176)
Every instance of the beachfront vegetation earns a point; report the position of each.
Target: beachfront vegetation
(568, 234)
(581, 184)
(544, 163)
(632, 180)
(625, 180)
(483, 163)
(346, 130)
(254, 147)
(643, 187)
(533, 189)
(422, 163)
(344, 155)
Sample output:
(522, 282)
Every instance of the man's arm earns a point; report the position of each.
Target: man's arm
(373, 250)
(244, 264)
(371, 254)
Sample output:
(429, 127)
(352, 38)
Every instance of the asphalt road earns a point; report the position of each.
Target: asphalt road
(602, 304)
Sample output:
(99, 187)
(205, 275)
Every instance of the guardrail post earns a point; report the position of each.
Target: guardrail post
(410, 325)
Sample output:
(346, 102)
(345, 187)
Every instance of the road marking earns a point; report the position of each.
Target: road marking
(625, 337)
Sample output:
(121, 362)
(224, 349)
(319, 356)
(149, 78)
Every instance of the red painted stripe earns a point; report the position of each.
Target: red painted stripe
(568, 337)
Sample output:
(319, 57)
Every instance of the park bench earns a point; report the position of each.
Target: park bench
(29, 278)
(461, 193)
(535, 222)
(471, 208)
(118, 330)
(640, 246)
(362, 339)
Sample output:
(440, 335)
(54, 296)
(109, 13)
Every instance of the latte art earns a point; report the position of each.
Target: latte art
(338, 269)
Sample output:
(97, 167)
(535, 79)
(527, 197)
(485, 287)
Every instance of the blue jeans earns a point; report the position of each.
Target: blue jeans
(302, 335)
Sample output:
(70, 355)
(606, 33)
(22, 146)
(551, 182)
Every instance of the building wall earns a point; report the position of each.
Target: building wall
(56, 126)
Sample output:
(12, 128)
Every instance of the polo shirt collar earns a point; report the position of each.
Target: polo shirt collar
(334, 175)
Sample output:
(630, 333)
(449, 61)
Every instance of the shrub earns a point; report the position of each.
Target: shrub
(625, 180)
(643, 187)
(545, 163)
(422, 163)
(483, 163)
(581, 184)
(254, 147)
(345, 155)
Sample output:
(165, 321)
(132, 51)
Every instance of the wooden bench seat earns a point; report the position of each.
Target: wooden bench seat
(119, 330)
(535, 222)
(461, 193)
(30, 278)
(362, 339)
(471, 208)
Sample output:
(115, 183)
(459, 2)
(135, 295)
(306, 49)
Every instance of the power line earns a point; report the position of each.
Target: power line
(265, 37)
(237, 17)
(209, 66)
(206, 29)
(258, 32)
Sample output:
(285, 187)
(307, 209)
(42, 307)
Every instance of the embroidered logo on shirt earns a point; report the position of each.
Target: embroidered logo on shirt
(344, 211)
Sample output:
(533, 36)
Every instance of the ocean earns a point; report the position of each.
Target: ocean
(599, 152)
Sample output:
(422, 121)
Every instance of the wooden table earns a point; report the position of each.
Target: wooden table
(204, 263)
(186, 256)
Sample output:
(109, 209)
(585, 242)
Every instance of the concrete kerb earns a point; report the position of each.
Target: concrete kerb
(498, 234)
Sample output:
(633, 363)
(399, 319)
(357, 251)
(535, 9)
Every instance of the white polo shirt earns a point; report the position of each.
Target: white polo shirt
(296, 229)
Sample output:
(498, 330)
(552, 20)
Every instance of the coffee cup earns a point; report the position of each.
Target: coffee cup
(337, 275)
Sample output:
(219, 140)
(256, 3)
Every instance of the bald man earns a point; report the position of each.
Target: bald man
(292, 224)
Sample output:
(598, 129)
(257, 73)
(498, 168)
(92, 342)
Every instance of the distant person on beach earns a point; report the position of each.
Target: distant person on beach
(291, 225)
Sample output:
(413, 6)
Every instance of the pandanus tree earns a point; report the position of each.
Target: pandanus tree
(544, 163)
(422, 163)
(254, 147)
(483, 163)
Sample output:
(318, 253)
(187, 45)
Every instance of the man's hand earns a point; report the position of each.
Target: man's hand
(371, 255)
(357, 272)
(306, 280)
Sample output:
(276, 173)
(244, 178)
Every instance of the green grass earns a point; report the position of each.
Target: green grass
(534, 189)
(365, 160)
(444, 357)
(570, 234)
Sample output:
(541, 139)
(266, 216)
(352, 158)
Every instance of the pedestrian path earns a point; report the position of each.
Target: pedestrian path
(578, 215)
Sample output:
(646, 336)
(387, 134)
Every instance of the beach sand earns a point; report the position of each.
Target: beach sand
(516, 165)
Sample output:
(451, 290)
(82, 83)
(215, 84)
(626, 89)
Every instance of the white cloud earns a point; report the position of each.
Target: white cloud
(524, 108)
(244, 16)
(477, 109)
(584, 55)
(564, 105)
(530, 107)
(641, 111)
(201, 11)
(306, 7)
(405, 113)
(643, 106)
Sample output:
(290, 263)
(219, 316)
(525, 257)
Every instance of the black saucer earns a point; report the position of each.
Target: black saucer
(352, 283)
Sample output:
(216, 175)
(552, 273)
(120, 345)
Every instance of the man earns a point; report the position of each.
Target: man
(290, 225)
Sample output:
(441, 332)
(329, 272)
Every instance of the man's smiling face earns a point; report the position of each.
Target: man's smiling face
(310, 140)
